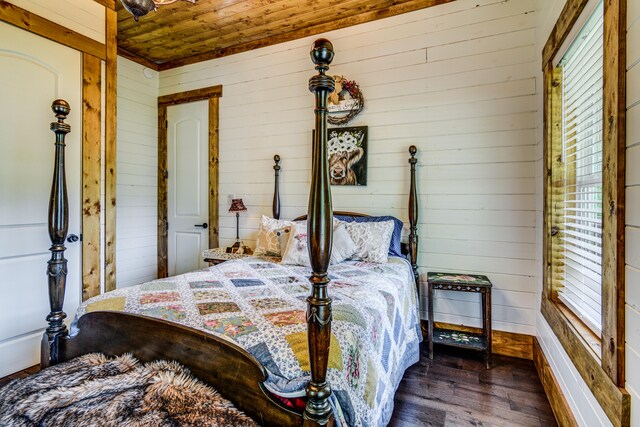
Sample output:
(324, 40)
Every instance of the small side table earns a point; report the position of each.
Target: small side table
(217, 256)
(461, 283)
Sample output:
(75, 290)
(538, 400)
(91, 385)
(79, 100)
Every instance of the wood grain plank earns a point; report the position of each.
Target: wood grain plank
(214, 148)
(91, 171)
(211, 32)
(190, 96)
(110, 150)
(613, 190)
(558, 401)
(163, 238)
(43, 27)
(569, 15)
(265, 21)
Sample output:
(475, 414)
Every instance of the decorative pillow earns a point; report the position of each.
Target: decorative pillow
(343, 245)
(297, 251)
(372, 239)
(268, 243)
(284, 234)
(395, 244)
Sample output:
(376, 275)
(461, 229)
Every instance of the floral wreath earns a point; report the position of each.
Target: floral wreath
(352, 88)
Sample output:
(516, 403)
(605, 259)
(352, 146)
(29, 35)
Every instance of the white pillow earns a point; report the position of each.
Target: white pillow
(297, 252)
(372, 238)
(268, 243)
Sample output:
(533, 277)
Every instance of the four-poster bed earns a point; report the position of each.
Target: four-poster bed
(228, 367)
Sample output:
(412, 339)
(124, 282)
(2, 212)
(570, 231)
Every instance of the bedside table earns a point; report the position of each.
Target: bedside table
(217, 256)
(458, 282)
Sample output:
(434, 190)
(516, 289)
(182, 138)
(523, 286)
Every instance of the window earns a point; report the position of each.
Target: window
(584, 159)
(580, 184)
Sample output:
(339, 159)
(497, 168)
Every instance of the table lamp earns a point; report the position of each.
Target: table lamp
(237, 206)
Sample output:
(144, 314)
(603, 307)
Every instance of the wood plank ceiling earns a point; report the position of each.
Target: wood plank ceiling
(183, 33)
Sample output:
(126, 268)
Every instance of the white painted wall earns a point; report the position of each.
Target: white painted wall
(458, 81)
(86, 17)
(632, 348)
(136, 174)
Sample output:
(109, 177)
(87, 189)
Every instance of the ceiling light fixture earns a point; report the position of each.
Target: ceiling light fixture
(140, 8)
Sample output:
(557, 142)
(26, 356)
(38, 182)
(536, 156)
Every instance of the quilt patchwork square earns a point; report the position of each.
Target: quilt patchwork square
(158, 286)
(210, 295)
(300, 347)
(286, 318)
(233, 327)
(159, 297)
(204, 284)
(241, 283)
(172, 313)
(284, 280)
(269, 303)
(217, 307)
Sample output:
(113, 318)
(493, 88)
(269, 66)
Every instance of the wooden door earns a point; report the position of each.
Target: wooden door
(34, 72)
(188, 185)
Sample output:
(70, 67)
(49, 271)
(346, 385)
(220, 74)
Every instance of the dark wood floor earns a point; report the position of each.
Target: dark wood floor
(454, 389)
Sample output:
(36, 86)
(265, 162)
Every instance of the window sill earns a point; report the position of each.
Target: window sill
(584, 354)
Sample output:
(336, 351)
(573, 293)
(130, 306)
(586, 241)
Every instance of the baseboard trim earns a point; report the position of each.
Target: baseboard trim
(503, 343)
(557, 400)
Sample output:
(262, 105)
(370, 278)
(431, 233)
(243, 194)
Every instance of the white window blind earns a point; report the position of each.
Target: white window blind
(582, 99)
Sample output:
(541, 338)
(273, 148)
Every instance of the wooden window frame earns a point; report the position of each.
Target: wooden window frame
(599, 361)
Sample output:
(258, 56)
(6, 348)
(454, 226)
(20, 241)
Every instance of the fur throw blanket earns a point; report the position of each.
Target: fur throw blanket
(94, 390)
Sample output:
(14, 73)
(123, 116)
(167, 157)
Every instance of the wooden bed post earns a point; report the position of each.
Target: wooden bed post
(276, 190)
(413, 217)
(320, 231)
(58, 227)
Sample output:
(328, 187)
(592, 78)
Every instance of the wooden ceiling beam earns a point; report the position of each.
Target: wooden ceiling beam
(304, 32)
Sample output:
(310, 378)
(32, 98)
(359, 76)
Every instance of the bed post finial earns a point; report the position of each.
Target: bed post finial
(320, 231)
(58, 227)
(275, 210)
(413, 216)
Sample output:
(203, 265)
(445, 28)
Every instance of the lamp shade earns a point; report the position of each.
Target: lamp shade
(237, 206)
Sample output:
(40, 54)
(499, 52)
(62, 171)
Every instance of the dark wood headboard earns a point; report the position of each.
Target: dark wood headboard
(412, 251)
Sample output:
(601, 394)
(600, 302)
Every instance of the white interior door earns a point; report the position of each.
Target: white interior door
(188, 185)
(34, 72)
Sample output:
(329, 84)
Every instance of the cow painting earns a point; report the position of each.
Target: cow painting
(347, 156)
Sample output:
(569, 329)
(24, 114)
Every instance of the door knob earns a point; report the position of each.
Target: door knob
(72, 238)
(203, 225)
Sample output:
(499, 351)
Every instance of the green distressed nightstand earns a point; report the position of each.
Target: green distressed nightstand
(461, 283)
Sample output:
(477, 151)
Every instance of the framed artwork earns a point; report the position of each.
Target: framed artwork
(347, 149)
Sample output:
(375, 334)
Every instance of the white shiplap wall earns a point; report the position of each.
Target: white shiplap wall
(86, 17)
(458, 81)
(632, 314)
(136, 174)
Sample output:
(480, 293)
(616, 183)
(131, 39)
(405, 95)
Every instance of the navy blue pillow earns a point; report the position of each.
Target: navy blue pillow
(394, 247)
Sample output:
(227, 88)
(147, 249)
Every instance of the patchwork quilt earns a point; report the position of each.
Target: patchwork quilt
(261, 306)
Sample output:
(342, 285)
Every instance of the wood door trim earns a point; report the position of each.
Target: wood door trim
(33, 23)
(91, 164)
(111, 23)
(190, 96)
(211, 93)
